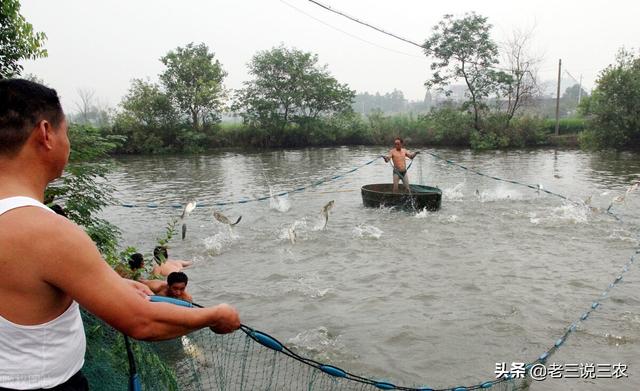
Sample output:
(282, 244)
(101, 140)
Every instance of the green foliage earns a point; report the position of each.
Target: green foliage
(84, 189)
(464, 50)
(18, 40)
(193, 82)
(567, 125)
(288, 94)
(614, 106)
(181, 114)
(170, 232)
(449, 126)
(573, 92)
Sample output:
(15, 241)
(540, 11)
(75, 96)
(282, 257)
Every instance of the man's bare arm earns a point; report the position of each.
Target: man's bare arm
(74, 265)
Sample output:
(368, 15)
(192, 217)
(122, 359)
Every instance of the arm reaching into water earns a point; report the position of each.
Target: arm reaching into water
(74, 265)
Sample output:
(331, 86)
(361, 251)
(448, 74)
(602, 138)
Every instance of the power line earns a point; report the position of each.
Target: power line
(366, 24)
(328, 8)
(347, 33)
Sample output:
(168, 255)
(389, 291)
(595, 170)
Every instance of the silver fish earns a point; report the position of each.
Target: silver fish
(224, 219)
(325, 212)
(292, 234)
(188, 209)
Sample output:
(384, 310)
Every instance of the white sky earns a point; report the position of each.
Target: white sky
(102, 44)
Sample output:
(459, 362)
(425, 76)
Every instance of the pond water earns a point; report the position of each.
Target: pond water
(417, 297)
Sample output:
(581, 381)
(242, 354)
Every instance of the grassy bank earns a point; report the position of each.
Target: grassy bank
(447, 127)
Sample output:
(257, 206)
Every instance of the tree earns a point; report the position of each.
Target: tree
(147, 119)
(572, 93)
(18, 41)
(522, 86)
(193, 82)
(614, 105)
(289, 87)
(464, 50)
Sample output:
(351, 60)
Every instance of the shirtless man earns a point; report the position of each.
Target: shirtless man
(166, 266)
(398, 155)
(50, 266)
(175, 286)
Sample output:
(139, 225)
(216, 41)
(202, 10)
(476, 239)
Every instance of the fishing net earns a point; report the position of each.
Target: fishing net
(206, 361)
(107, 367)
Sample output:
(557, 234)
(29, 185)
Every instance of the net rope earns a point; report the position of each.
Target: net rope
(253, 360)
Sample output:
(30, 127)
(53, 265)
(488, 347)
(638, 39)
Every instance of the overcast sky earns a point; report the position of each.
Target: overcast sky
(102, 44)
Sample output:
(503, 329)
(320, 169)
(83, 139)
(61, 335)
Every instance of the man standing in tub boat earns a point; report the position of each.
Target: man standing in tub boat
(398, 155)
(50, 266)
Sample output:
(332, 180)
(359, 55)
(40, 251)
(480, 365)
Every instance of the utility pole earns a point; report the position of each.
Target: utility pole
(558, 99)
(580, 90)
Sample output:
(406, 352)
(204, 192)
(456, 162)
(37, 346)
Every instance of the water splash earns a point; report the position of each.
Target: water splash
(566, 213)
(454, 193)
(280, 204)
(298, 226)
(498, 194)
(219, 242)
(319, 343)
(365, 231)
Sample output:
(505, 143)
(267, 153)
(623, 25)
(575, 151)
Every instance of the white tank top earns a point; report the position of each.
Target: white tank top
(43, 355)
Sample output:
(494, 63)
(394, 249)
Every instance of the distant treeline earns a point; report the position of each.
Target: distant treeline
(292, 101)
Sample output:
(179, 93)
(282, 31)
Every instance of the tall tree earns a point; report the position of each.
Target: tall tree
(193, 82)
(614, 104)
(18, 40)
(148, 119)
(522, 86)
(289, 87)
(464, 50)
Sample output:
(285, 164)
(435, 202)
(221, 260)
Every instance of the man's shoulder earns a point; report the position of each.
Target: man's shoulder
(34, 222)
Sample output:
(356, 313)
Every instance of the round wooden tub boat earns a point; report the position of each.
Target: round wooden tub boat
(421, 197)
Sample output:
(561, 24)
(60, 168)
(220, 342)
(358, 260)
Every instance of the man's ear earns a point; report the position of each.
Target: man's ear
(43, 133)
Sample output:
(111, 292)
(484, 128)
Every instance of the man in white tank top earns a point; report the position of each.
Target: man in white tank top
(45, 260)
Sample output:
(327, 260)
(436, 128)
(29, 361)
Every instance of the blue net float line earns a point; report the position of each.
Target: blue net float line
(276, 346)
(244, 200)
(536, 187)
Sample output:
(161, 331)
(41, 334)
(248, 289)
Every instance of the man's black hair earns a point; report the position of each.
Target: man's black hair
(135, 261)
(177, 277)
(399, 138)
(58, 209)
(23, 104)
(160, 254)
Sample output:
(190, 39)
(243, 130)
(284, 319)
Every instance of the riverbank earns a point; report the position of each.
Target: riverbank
(443, 128)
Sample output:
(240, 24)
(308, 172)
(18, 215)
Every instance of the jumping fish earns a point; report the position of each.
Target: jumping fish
(188, 209)
(224, 219)
(185, 213)
(292, 234)
(325, 212)
(622, 197)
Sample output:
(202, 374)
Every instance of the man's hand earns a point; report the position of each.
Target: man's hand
(226, 319)
(386, 159)
(141, 289)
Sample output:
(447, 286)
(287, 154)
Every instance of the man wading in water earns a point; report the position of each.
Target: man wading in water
(398, 155)
(50, 266)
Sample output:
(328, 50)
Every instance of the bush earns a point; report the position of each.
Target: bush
(567, 125)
